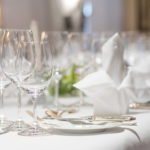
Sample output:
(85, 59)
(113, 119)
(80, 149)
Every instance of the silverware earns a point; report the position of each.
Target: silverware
(89, 120)
(140, 106)
(82, 121)
(113, 118)
(30, 113)
(97, 119)
(58, 114)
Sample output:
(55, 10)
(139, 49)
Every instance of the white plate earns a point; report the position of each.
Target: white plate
(82, 129)
(67, 127)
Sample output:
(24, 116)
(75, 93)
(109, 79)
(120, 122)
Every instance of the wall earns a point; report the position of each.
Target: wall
(108, 15)
(114, 15)
(19, 13)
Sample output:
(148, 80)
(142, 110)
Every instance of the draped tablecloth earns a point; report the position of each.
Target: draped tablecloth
(125, 138)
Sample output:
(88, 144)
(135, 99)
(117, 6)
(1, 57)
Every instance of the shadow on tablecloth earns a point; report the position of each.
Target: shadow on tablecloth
(107, 131)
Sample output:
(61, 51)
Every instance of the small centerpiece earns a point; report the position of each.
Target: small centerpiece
(67, 95)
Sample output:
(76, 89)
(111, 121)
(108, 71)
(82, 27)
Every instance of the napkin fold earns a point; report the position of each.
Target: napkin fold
(107, 87)
(112, 58)
(106, 96)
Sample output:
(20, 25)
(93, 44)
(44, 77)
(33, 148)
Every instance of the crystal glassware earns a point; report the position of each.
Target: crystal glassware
(80, 49)
(38, 70)
(4, 83)
(11, 65)
(58, 40)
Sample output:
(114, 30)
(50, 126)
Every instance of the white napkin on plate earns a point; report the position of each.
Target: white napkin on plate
(112, 58)
(107, 87)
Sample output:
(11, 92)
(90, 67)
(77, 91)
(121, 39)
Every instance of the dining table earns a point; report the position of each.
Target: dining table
(117, 138)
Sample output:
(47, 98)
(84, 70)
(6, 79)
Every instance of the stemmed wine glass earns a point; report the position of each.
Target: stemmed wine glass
(38, 70)
(58, 40)
(4, 83)
(10, 60)
(80, 54)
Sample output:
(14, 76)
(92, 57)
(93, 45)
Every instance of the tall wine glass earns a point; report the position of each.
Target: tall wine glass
(58, 40)
(4, 83)
(81, 54)
(10, 58)
(39, 72)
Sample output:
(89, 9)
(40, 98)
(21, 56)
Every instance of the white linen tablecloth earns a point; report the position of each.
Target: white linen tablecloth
(127, 138)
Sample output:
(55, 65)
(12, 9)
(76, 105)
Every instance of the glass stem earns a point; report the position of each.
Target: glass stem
(35, 123)
(57, 94)
(1, 106)
(19, 104)
(81, 98)
(81, 93)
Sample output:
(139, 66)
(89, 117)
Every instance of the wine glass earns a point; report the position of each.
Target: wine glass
(4, 83)
(60, 50)
(81, 54)
(38, 70)
(10, 58)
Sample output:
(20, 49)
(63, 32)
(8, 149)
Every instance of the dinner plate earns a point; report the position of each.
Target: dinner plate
(81, 129)
(67, 127)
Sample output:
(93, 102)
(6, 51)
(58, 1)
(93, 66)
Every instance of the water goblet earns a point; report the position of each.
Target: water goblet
(81, 55)
(58, 41)
(4, 83)
(39, 72)
(11, 57)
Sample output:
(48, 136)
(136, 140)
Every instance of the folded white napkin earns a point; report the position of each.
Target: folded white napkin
(112, 58)
(107, 87)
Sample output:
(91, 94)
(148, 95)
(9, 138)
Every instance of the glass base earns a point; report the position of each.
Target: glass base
(35, 131)
(19, 125)
(5, 125)
(4, 130)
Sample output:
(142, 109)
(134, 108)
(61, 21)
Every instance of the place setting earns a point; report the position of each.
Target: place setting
(82, 125)
(86, 96)
(105, 116)
(101, 86)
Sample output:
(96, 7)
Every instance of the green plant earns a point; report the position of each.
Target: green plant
(66, 88)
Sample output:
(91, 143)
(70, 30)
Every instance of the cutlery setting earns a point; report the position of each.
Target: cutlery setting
(145, 106)
(56, 119)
